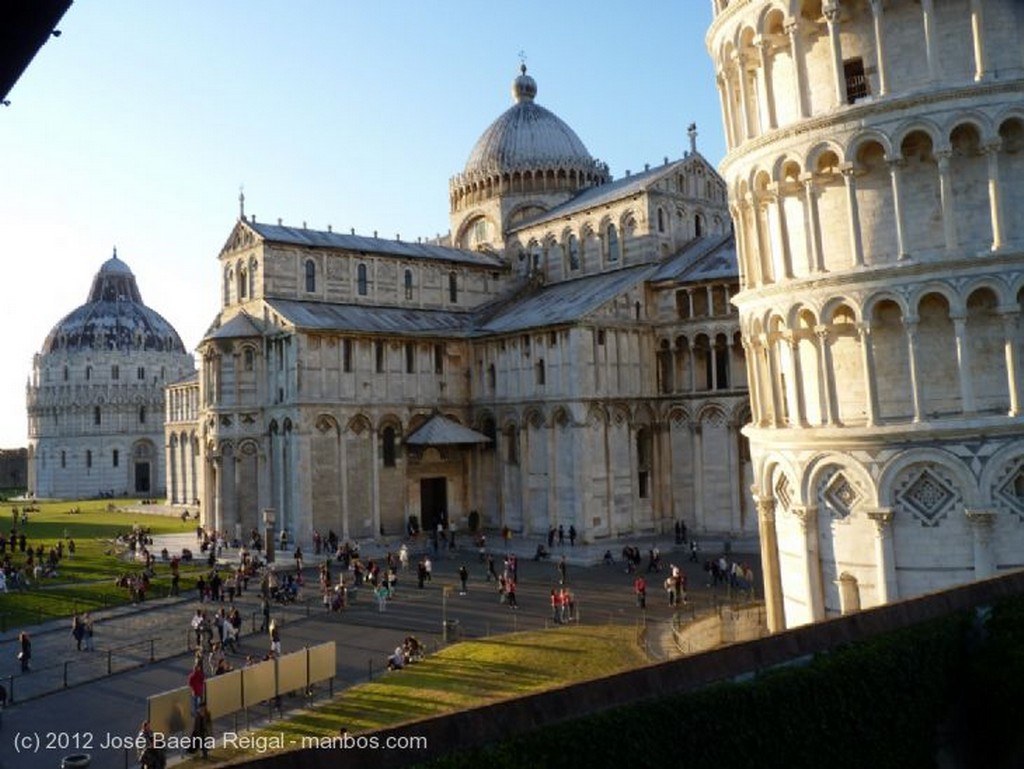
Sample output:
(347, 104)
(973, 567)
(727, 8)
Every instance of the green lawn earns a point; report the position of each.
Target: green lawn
(85, 581)
(467, 675)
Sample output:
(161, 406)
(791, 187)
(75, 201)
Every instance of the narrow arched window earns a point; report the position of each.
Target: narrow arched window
(453, 288)
(227, 287)
(408, 284)
(243, 283)
(613, 243)
(142, 415)
(248, 358)
(97, 417)
(310, 275)
(574, 252)
(698, 226)
(661, 220)
(389, 446)
(361, 280)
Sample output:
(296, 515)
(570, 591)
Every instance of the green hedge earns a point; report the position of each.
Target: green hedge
(887, 702)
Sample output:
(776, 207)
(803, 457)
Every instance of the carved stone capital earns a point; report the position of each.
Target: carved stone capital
(882, 518)
(765, 509)
(807, 515)
(981, 518)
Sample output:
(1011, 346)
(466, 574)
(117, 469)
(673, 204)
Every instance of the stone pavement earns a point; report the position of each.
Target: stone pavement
(145, 647)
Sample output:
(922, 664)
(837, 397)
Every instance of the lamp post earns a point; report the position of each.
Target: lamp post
(269, 516)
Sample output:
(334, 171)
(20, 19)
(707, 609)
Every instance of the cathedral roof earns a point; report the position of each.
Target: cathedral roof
(113, 318)
(527, 136)
(371, 319)
(701, 259)
(565, 302)
(301, 236)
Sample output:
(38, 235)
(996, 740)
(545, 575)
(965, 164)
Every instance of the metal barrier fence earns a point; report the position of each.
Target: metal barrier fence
(171, 639)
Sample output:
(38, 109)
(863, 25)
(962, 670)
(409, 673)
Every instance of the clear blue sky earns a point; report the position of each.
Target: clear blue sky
(137, 126)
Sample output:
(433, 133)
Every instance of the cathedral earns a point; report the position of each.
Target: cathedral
(568, 354)
(96, 394)
(875, 173)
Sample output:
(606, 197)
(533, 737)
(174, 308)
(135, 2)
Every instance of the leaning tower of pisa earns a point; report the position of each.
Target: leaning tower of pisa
(876, 179)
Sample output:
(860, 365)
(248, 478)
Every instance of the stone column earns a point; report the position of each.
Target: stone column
(928, 18)
(870, 390)
(883, 80)
(1010, 347)
(982, 523)
(693, 367)
(374, 480)
(978, 35)
(963, 359)
(885, 555)
(741, 246)
(733, 432)
(946, 193)
(995, 199)
(853, 212)
(753, 244)
(799, 415)
(808, 517)
(831, 12)
(812, 225)
(724, 97)
(895, 168)
(743, 127)
(773, 379)
(797, 54)
(753, 385)
(774, 607)
(217, 467)
(825, 376)
(765, 79)
(696, 433)
(910, 326)
(780, 221)
(764, 255)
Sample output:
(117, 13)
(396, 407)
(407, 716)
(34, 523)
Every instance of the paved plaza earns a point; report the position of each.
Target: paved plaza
(71, 697)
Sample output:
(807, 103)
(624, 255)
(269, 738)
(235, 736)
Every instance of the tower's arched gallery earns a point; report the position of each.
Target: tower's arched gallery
(875, 171)
(568, 354)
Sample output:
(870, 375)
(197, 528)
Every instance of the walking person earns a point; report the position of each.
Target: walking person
(77, 631)
(640, 589)
(463, 578)
(275, 639)
(89, 630)
(24, 651)
(197, 684)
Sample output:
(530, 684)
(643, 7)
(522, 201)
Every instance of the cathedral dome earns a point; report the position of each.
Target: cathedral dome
(527, 136)
(113, 318)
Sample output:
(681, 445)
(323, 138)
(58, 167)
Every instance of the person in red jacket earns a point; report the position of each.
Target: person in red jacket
(197, 684)
(640, 588)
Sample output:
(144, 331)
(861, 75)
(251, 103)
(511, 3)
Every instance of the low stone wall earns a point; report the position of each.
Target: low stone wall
(728, 625)
(502, 720)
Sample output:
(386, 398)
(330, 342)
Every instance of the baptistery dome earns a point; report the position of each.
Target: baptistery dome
(526, 136)
(113, 318)
(96, 394)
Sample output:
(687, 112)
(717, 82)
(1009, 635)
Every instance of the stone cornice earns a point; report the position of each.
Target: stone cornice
(875, 277)
(858, 116)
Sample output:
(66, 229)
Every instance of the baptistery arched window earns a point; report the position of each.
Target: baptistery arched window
(574, 252)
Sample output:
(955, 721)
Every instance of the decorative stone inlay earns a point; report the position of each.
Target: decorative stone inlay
(782, 492)
(928, 496)
(839, 495)
(1009, 488)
